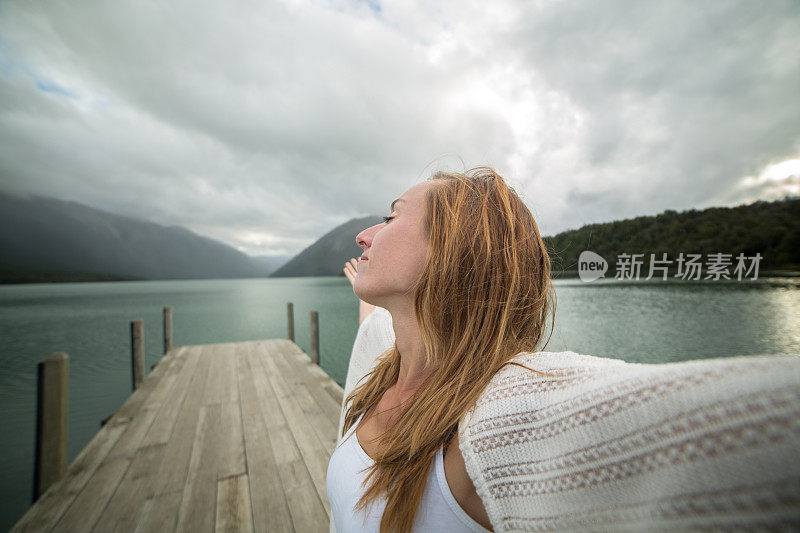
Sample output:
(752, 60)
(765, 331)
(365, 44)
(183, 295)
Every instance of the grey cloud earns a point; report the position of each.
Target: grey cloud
(264, 125)
(713, 77)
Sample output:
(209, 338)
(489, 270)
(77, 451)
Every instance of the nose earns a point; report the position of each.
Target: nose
(364, 239)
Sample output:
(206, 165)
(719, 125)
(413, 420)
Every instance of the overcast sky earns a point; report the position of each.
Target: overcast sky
(266, 124)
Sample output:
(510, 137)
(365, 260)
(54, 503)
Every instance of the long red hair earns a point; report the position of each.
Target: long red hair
(483, 296)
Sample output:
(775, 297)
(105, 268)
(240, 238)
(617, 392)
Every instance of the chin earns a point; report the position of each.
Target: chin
(359, 291)
(365, 295)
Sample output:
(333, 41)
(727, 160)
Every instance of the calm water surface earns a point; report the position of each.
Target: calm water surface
(639, 321)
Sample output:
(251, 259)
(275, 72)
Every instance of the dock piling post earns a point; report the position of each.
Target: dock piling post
(51, 422)
(167, 329)
(315, 337)
(290, 320)
(137, 352)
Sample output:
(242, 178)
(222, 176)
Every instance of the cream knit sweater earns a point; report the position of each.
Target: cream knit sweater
(606, 445)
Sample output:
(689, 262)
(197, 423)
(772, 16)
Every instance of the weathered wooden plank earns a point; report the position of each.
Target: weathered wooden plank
(182, 372)
(234, 513)
(230, 385)
(312, 375)
(315, 402)
(334, 389)
(137, 399)
(122, 512)
(319, 422)
(306, 390)
(266, 400)
(159, 513)
(179, 446)
(213, 392)
(283, 445)
(331, 388)
(48, 509)
(303, 502)
(87, 507)
(312, 451)
(307, 513)
(232, 462)
(228, 436)
(51, 507)
(197, 511)
(268, 501)
(143, 419)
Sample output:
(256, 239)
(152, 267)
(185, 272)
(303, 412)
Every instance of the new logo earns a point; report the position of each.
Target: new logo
(591, 266)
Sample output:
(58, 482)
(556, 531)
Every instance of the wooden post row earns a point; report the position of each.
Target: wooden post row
(137, 352)
(51, 422)
(315, 337)
(167, 329)
(290, 321)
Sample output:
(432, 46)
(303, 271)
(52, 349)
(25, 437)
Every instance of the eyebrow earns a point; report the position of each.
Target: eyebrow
(397, 200)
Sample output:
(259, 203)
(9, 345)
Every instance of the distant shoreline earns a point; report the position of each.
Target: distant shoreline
(21, 276)
(10, 275)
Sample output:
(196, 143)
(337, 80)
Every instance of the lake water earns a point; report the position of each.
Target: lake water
(639, 321)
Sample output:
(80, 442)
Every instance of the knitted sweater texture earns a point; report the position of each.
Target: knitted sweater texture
(606, 445)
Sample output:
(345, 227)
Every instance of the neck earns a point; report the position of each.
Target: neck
(412, 352)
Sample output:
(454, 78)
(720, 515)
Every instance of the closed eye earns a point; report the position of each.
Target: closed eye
(387, 219)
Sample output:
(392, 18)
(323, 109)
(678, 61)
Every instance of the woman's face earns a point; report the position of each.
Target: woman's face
(394, 251)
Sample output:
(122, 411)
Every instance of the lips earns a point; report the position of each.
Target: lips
(363, 258)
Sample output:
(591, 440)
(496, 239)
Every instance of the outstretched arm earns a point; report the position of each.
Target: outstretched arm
(364, 309)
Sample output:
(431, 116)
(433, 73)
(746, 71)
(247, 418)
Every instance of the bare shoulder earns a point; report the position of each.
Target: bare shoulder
(455, 471)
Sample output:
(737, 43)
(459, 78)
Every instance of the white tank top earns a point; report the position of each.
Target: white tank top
(438, 511)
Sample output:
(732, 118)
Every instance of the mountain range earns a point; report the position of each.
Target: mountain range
(44, 239)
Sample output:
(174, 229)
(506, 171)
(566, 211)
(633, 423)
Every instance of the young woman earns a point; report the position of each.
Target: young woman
(460, 425)
(462, 269)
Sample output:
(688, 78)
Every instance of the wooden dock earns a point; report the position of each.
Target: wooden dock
(219, 437)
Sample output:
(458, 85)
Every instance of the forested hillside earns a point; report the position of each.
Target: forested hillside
(769, 228)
